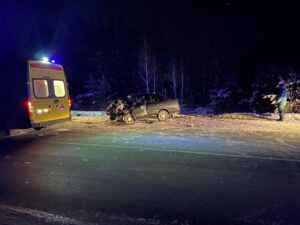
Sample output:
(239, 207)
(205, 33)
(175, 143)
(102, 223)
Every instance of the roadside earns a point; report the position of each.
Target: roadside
(10, 215)
(236, 125)
(263, 137)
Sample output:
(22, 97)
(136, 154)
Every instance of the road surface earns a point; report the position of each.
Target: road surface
(95, 174)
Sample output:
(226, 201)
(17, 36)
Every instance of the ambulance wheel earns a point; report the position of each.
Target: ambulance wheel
(38, 128)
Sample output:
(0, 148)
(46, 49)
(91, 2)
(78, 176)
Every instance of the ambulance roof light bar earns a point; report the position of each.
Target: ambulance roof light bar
(45, 59)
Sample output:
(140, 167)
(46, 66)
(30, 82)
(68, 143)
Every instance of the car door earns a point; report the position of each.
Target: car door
(60, 104)
(50, 101)
(139, 107)
(153, 105)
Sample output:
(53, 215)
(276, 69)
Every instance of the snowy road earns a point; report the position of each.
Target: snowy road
(100, 172)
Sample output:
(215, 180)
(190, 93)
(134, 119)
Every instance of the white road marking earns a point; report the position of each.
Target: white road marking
(140, 148)
(48, 217)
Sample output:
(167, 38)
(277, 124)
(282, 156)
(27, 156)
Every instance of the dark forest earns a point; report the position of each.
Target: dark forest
(216, 52)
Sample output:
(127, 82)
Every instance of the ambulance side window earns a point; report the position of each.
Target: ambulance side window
(41, 88)
(59, 88)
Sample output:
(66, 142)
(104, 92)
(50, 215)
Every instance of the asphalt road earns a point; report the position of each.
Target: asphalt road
(84, 174)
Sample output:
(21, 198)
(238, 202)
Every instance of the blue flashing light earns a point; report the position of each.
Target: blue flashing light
(45, 60)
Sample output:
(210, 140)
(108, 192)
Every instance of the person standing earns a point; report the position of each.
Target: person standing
(282, 99)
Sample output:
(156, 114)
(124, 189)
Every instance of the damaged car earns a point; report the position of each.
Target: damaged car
(139, 106)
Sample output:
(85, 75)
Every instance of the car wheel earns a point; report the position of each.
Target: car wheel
(163, 115)
(128, 119)
(112, 117)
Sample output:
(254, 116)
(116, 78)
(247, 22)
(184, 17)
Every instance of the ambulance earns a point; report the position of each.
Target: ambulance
(33, 95)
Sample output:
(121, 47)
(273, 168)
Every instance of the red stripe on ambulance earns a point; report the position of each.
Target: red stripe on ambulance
(46, 66)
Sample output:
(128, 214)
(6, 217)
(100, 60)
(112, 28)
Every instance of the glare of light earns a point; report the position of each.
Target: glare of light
(52, 61)
(46, 110)
(29, 106)
(45, 59)
(39, 111)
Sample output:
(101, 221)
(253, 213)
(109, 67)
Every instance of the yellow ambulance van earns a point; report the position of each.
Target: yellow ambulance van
(33, 96)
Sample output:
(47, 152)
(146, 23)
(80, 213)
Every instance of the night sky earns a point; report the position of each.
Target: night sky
(240, 36)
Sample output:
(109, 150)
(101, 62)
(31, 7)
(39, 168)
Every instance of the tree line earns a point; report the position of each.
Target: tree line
(111, 50)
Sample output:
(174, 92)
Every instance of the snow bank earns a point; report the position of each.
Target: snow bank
(197, 111)
(203, 111)
(89, 113)
(270, 116)
(12, 215)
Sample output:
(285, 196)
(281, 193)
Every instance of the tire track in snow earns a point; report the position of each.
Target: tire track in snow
(47, 217)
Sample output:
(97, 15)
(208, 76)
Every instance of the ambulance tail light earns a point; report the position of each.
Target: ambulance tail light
(29, 107)
(70, 102)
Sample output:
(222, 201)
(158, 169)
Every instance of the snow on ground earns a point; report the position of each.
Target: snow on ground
(232, 126)
(11, 215)
(249, 125)
(197, 111)
(89, 114)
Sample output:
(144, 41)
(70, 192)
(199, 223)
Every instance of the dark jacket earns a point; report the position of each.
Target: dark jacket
(283, 94)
